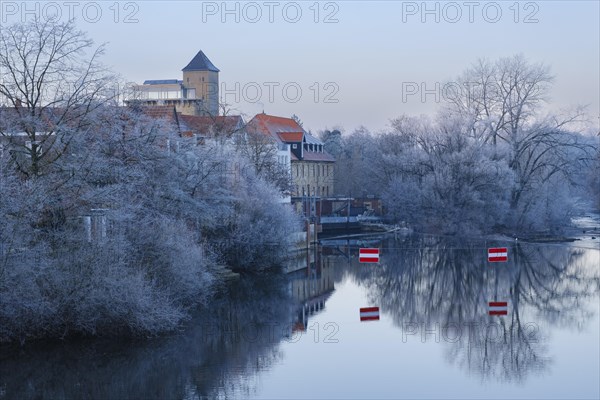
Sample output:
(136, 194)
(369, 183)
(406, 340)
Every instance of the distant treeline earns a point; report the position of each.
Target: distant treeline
(489, 162)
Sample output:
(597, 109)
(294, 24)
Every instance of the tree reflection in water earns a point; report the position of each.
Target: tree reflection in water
(218, 355)
(420, 282)
(443, 285)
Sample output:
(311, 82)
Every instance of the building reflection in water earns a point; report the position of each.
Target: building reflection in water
(310, 287)
(228, 344)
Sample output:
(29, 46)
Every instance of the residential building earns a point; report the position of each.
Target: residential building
(311, 167)
(196, 94)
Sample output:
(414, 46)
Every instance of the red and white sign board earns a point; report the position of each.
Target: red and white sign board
(369, 314)
(498, 308)
(368, 255)
(497, 254)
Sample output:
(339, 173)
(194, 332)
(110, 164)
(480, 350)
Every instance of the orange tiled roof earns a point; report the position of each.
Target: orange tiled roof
(45, 118)
(291, 136)
(219, 125)
(167, 112)
(270, 124)
(288, 130)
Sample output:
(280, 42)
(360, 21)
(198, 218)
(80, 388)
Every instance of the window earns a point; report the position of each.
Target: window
(294, 146)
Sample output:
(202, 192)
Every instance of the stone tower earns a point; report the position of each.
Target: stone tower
(201, 81)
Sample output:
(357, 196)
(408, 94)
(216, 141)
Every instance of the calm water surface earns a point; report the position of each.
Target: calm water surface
(300, 335)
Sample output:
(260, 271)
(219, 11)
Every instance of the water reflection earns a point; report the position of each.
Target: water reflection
(439, 289)
(311, 287)
(219, 354)
(433, 289)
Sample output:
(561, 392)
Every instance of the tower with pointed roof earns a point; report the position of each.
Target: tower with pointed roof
(201, 79)
(196, 94)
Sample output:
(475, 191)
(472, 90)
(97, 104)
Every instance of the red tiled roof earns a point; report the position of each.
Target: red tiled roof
(44, 119)
(220, 125)
(270, 124)
(291, 136)
(167, 112)
(287, 130)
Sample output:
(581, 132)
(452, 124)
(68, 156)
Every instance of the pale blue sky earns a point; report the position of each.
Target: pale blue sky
(372, 52)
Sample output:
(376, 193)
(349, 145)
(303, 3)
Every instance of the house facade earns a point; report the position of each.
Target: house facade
(311, 167)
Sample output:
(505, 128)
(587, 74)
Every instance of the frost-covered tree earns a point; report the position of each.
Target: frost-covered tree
(440, 178)
(99, 244)
(354, 162)
(490, 160)
(501, 103)
(263, 232)
(50, 81)
(332, 141)
(116, 226)
(261, 151)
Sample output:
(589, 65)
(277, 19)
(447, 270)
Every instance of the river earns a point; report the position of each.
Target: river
(300, 335)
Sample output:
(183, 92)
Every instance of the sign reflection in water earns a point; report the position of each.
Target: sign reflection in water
(429, 289)
(431, 280)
